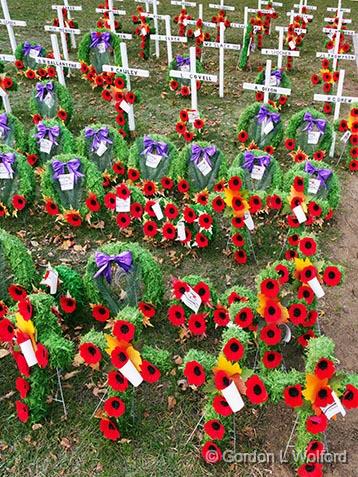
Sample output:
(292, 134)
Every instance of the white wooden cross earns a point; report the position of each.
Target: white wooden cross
(111, 16)
(201, 17)
(10, 24)
(262, 3)
(183, 3)
(221, 6)
(222, 46)
(305, 16)
(69, 8)
(57, 61)
(303, 4)
(63, 30)
(169, 38)
(155, 18)
(337, 99)
(194, 77)
(280, 52)
(266, 88)
(147, 3)
(126, 70)
(3, 94)
(338, 8)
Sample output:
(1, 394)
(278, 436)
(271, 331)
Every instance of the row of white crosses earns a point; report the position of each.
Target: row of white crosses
(10, 24)
(111, 16)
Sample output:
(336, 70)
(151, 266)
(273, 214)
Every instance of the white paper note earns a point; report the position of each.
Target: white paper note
(157, 210)
(102, 148)
(233, 397)
(204, 167)
(152, 160)
(300, 214)
(258, 172)
(4, 173)
(130, 372)
(192, 300)
(45, 146)
(313, 186)
(313, 137)
(28, 351)
(316, 287)
(123, 205)
(334, 408)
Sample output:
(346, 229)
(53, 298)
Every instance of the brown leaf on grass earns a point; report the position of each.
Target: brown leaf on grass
(4, 352)
(147, 322)
(77, 360)
(70, 375)
(7, 396)
(66, 443)
(178, 360)
(171, 402)
(36, 426)
(66, 245)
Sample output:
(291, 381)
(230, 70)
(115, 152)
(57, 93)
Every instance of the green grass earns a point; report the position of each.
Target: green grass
(156, 444)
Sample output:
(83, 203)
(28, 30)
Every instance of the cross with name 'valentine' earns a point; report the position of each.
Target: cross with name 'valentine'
(194, 77)
(63, 30)
(169, 39)
(280, 52)
(222, 46)
(10, 24)
(266, 88)
(69, 8)
(128, 72)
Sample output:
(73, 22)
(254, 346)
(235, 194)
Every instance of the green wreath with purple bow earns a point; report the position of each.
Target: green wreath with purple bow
(278, 78)
(12, 132)
(51, 100)
(99, 48)
(181, 85)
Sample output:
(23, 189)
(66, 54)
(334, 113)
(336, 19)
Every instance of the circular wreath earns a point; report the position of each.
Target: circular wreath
(140, 157)
(297, 139)
(65, 142)
(143, 282)
(16, 191)
(252, 121)
(26, 62)
(84, 200)
(184, 167)
(104, 146)
(348, 129)
(59, 107)
(12, 132)
(181, 85)
(33, 323)
(282, 81)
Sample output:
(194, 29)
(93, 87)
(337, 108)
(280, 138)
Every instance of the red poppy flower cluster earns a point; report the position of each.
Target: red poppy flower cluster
(40, 73)
(295, 35)
(349, 129)
(142, 31)
(190, 126)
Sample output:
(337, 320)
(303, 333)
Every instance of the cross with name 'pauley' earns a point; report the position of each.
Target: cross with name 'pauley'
(169, 38)
(337, 99)
(63, 30)
(266, 88)
(193, 76)
(128, 72)
(222, 46)
(280, 52)
(10, 24)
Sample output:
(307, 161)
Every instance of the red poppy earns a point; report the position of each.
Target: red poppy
(51, 207)
(332, 276)
(18, 202)
(183, 186)
(290, 144)
(180, 128)
(293, 240)
(123, 192)
(41, 355)
(146, 309)
(233, 350)
(22, 386)
(238, 240)
(119, 357)
(23, 412)
(194, 373)
(150, 228)
(117, 381)
(176, 315)
(73, 218)
(274, 201)
(255, 204)
(272, 312)
(323, 397)
(272, 359)
(203, 290)
(7, 330)
(109, 429)
(30, 74)
(3, 309)
(171, 211)
(189, 215)
(221, 406)
(305, 293)
(297, 313)
(319, 155)
(90, 353)
(198, 123)
(205, 221)
(350, 397)
(17, 292)
(68, 304)
(315, 79)
(292, 221)
(270, 287)
(214, 429)
(354, 152)
(325, 369)
(124, 330)
(327, 108)
(308, 246)
(283, 272)
(235, 183)
(244, 317)
(293, 395)
(149, 372)
(353, 165)
(242, 136)
(311, 469)
(310, 319)
(197, 324)
(114, 407)
(211, 453)
(308, 273)
(100, 312)
(201, 240)
(123, 220)
(255, 390)
(133, 174)
(304, 339)
(316, 424)
(221, 380)
(314, 450)
(271, 335)
(259, 96)
(240, 257)
(92, 203)
(167, 183)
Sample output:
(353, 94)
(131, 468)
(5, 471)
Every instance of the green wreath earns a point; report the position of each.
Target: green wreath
(25, 61)
(6, 82)
(65, 142)
(13, 134)
(143, 283)
(96, 59)
(116, 151)
(18, 191)
(61, 106)
(138, 160)
(285, 82)
(249, 124)
(175, 84)
(90, 183)
(245, 50)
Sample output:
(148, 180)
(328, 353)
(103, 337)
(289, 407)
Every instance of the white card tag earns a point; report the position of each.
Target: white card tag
(192, 300)
(248, 221)
(184, 68)
(4, 173)
(204, 167)
(313, 137)
(334, 408)
(273, 81)
(197, 33)
(125, 106)
(101, 47)
(130, 372)
(152, 160)
(192, 115)
(258, 172)
(292, 45)
(29, 354)
(300, 214)
(287, 333)
(158, 211)
(346, 136)
(123, 205)
(316, 287)
(185, 21)
(51, 280)
(313, 186)
(181, 234)
(33, 53)
(102, 148)
(2, 133)
(49, 100)
(143, 31)
(233, 397)
(67, 181)
(268, 127)
(45, 146)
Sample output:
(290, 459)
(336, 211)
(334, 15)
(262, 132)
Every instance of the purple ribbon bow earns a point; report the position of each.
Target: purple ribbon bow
(277, 74)
(42, 90)
(51, 133)
(104, 262)
(197, 153)
(181, 60)
(150, 144)
(27, 47)
(250, 159)
(3, 124)
(320, 174)
(311, 121)
(264, 114)
(73, 166)
(101, 135)
(97, 38)
(8, 159)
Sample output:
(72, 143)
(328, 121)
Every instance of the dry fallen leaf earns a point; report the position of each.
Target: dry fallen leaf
(70, 375)
(4, 352)
(171, 402)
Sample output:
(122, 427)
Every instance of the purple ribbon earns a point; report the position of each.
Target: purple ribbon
(3, 124)
(150, 145)
(250, 159)
(197, 153)
(311, 121)
(97, 38)
(103, 261)
(27, 47)
(101, 135)
(51, 133)
(277, 74)
(73, 166)
(8, 159)
(265, 114)
(42, 90)
(321, 174)
(181, 60)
